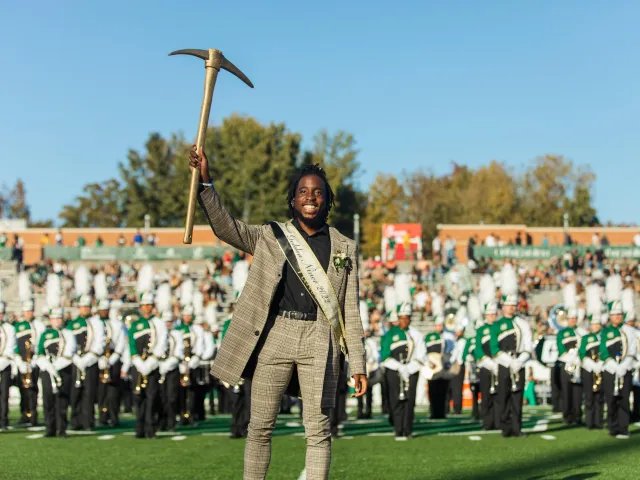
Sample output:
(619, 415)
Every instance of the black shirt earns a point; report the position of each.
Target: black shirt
(291, 295)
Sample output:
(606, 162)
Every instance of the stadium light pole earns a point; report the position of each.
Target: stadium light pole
(147, 224)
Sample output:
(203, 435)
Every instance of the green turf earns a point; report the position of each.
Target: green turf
(441, 450)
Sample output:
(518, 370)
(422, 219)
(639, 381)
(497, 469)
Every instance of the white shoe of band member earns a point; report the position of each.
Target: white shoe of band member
(622, 437)
(401, 439)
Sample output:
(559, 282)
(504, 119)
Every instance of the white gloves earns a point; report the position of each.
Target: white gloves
(89, 359)
(610, 366)
(78, 361)
(60, 363)
(22, 366)
(516, 366)
(4, 363)
(404, 371)
(621, 370)
(597, 367)
(102, 363)
(151, 364)
(164, 368)
(138, 363)
(113, 359)
(194, 362)
(183, 369)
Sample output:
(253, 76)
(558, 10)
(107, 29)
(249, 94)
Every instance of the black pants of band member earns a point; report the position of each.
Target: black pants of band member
(490, 414)
(438, 397)
(365, 402)
(571, 398)
(635, 412)
(402, 411)
(109, 397)
(29, 398)
(475, 394)
(146, 405)
(126, 392)
(510, 403)
(5, 384)
(199, 393)
(593, 401)
(240, 406)
(456, 385)
(618, 407)
(556, 394)
(56, 405)
(83, 399)
(169, 395)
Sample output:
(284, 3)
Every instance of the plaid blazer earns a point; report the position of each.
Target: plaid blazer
(251, 322)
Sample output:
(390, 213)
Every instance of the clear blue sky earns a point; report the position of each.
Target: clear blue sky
(419, 83)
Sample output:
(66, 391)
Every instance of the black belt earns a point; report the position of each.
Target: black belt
(297, 315)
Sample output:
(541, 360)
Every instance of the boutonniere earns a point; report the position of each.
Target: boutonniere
(341, 260)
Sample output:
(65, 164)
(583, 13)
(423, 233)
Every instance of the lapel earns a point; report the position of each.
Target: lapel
(337, 245)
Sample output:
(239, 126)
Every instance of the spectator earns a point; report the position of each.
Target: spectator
(137, 239)
(44, 242)
(3, 240)
(518, 239)
(59, 238)
(436, 247)
(18, 250)
(99, 242)
(490, 241)
(121, 241)
(81, 242)
(152, 240)
(595, 240)
(545, 241)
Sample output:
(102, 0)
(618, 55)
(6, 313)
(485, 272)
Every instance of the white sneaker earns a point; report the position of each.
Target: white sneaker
(401, 439)
(622, 437)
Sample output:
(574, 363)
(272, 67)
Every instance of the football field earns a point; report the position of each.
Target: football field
(449, 449)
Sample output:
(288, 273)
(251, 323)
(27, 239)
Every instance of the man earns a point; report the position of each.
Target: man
(618, 349)
(148, 338)
(110, 365)
(7, 351)
(435, 372)
(89, 334)
(374, 374)
(193, 341)
(484, 353)
(201, 372)
(568, 341)
(592, 374)
(238, 399)
(55, 353)
(278, 327)
(28, 333)
(515, 346)
(170, 376)
(402, 351)
(468, 359)
(458, 360)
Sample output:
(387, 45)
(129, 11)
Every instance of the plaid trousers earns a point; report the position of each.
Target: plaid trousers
(289, 343)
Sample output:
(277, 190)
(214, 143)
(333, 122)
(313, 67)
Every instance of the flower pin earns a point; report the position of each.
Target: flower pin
(340, 261)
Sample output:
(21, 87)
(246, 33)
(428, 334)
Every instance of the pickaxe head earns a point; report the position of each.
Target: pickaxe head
(214, 58)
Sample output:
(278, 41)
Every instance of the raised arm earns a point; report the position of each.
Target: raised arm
(228, 229)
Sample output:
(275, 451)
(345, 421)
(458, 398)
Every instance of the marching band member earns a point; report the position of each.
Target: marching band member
(148, 338)
(110, 364)
(374, 374)
(170, 372)
(635, 374)
(55, 358)
(568, 342)
(456, 383)
(7, 351)
(402, 349)
(592, 374)
(469, 360)
(484, 353)
(618, 349)
(515, 346)
(28, 333)
(202, 378)
(613, 286)
(193, 341)
(89, 335)
(435, 364)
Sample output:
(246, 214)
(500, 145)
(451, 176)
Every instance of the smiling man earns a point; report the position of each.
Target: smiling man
(296, 317)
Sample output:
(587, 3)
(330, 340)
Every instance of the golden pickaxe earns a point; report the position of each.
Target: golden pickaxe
(213, 62)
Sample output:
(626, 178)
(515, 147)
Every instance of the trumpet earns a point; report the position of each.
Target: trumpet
(597, 377)
(27, 378)
(494, 383)
(142, 381)
(185, 379)
(473, 376)
(105, 375)
(515, 377)
(404, 387)
(618, 382)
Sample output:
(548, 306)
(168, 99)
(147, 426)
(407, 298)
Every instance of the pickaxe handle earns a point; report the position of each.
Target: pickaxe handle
(209, 84)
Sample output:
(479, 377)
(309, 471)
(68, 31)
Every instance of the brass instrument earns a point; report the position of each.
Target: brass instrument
(450, 322)
(236, 387)
(494, 383)
(515, 377)
(404, 387)
(105, 375)
(185, 379)
(618, 383)
(27, 378)
(142, 381)
(597, 377)
(572, 368)
(473, 375)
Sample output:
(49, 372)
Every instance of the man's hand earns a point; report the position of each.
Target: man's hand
(198, 159)
(360, 383)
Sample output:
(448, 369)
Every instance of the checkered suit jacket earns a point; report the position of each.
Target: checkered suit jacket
(238, 352)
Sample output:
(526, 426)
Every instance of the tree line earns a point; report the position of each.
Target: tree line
(252, 164)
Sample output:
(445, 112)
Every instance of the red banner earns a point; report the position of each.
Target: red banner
(401, 241)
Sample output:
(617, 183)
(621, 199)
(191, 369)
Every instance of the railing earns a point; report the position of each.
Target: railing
(543, 253)
(141, 253)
